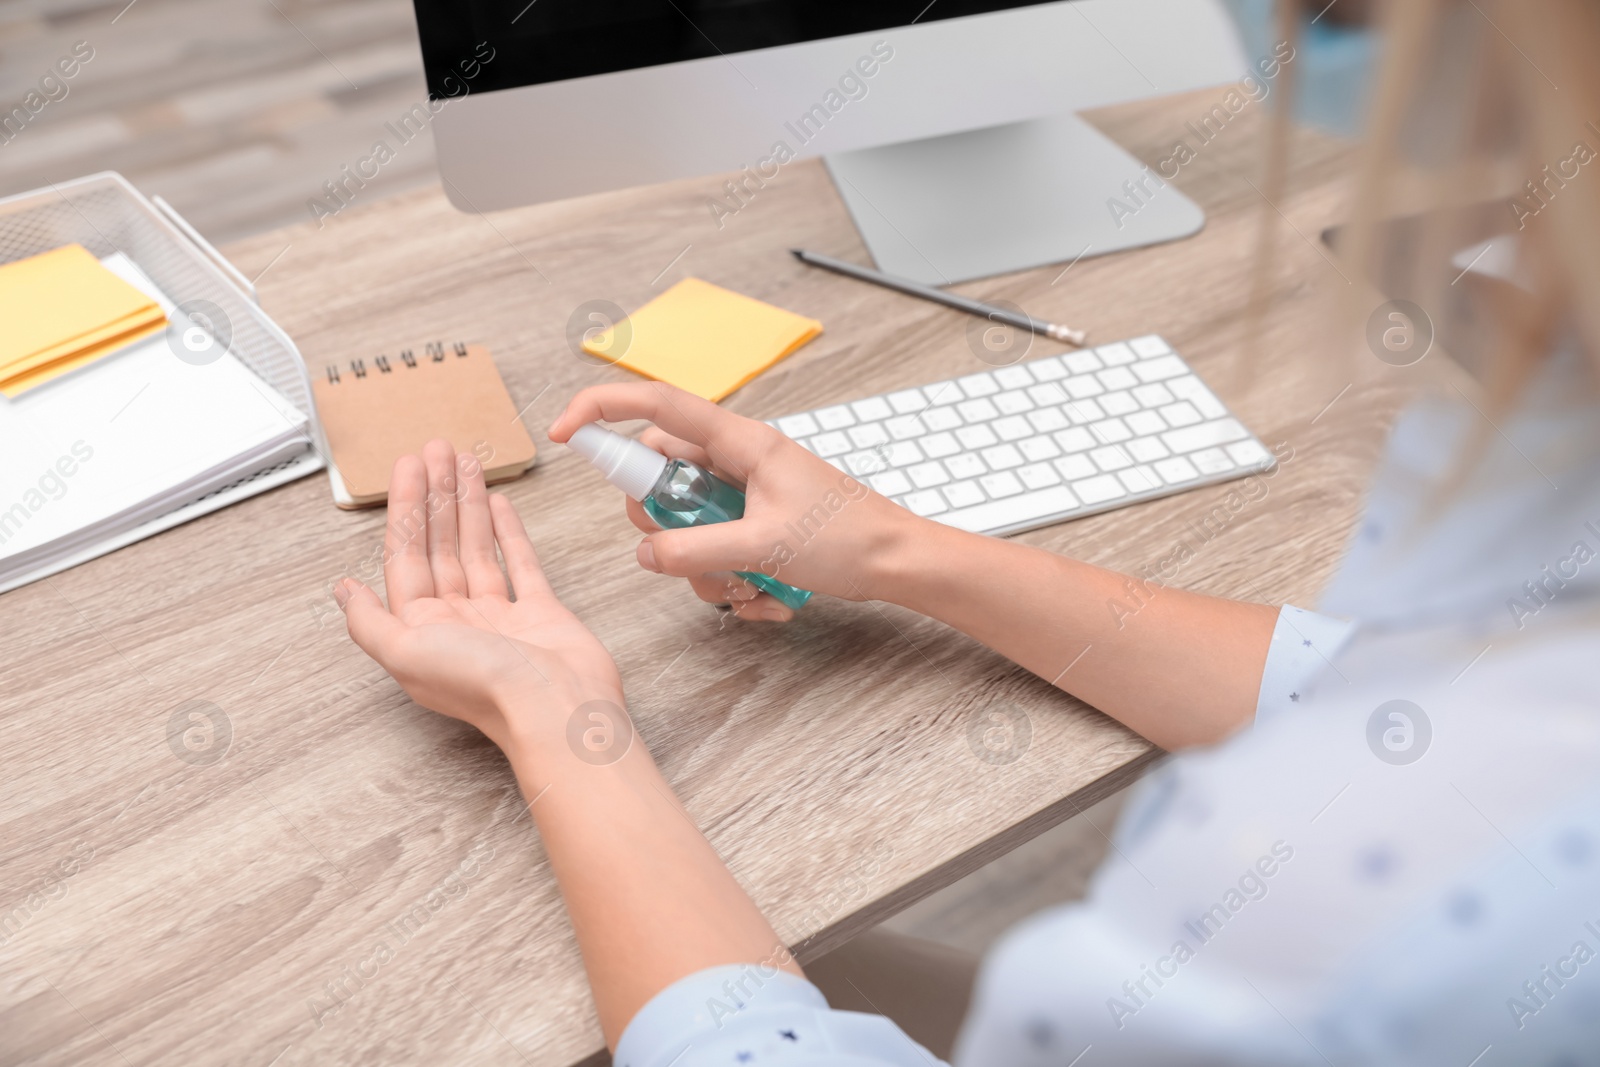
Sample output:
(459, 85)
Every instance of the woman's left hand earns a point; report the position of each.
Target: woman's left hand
(451, 635)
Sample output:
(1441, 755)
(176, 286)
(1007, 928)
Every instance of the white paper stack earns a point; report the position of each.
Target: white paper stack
(98, 456)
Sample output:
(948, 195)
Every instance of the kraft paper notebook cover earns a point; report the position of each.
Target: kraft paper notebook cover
(376, 410)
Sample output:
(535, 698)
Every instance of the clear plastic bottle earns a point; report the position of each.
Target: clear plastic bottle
(674, 492)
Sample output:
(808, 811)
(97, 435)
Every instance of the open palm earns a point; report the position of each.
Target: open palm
(451, 634)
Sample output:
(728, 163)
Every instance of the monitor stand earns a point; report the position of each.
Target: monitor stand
(1005, 198)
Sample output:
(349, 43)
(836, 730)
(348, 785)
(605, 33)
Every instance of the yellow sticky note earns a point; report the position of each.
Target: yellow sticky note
(62, 308)
(703, 338)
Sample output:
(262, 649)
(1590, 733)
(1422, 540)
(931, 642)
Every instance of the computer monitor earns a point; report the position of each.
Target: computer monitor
(948, 125)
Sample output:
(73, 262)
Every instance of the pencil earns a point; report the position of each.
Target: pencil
(939, 296)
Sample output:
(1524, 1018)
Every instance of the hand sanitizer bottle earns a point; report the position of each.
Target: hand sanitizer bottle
(674, 492)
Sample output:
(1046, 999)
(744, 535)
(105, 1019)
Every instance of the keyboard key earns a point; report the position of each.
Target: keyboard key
(927, 475)
(975, 437)
(976, 385)
(1148, 346)
(798, 426)
(1179, 414)
(965, 465)
(1083, 386)
(1117, 378)
(942, 393)
(927, 502)
(941, 419)
(1248, 454)
(890, 483)
(1038, 448)
(1118, 403)
(1145, 423)
(907, 401)
(1014, 512)
(1000, 486)
(1153, 395)
(963, 494)
(1002, 457)
(1013, 377)
(1047, 394)
(1013, 402)
(1074, 467)
(1110, 431)
(1145, 449)
(1212, 461)
(1046, 420)
(905, 427)
(1038, 475)
(939, 445)
(1047, 370)
(1176, 471)
(977, 410)
(1081, 411)
(1074, 440)
(1205, 435)
(1160, 369)
(830, 444)
(1139, 479)
(1012, 428)
(834, 418)
(901, 453)
(1194, 390)
(1082, 362)
(1098, 490)
(1115, 355)
(1112, 458)
(872, 409)
(868, 435)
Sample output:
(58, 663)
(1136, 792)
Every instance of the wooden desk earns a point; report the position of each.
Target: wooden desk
(353, 882)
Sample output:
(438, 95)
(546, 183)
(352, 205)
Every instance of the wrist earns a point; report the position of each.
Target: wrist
(907, 553)
(543, 731)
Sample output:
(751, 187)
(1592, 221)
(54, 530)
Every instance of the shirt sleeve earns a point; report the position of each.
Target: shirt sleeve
(757, 1014)
(1303, 646)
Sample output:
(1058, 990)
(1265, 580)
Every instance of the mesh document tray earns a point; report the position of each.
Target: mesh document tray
(106, 214)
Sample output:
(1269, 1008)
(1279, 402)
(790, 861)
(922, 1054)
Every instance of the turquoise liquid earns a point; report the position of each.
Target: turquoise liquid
(688, 496)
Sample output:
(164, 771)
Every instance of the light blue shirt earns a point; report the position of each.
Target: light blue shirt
(1398, 863)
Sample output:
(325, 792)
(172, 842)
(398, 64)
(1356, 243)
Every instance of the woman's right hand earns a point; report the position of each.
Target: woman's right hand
(805, 522)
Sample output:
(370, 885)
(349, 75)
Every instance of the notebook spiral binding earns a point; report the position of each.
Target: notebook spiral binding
(433, 352)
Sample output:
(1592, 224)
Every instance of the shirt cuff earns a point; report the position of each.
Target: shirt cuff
(701, 1004)
(1303, 646)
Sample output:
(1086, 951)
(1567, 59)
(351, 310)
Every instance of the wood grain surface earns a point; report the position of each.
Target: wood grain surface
(351, 880)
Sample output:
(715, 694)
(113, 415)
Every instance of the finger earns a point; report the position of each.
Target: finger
(405, 535)
(478, 559)
(726, 588)
(444, 552)
(674, 447)
(733, 442)
(677, 448)
(639, 516)
(763, 608)
(522, 562)
(371, 626)
(700, 550)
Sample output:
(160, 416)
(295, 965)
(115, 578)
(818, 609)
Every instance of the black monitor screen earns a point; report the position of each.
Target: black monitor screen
(482, 45)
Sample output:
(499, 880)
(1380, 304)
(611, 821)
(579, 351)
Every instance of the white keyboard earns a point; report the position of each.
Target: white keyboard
(1035, 443)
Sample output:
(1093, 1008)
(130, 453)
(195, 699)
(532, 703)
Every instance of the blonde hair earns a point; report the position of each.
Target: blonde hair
(1524, 105)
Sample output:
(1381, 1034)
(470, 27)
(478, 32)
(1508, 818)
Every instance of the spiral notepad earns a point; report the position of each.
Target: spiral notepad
(376, 410)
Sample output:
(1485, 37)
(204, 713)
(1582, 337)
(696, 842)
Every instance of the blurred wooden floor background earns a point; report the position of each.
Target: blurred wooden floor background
(236, 111)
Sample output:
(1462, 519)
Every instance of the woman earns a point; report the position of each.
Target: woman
(1380, 842)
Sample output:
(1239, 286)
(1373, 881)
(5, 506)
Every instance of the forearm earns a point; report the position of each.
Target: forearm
(649, 899)
(1177, 667)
